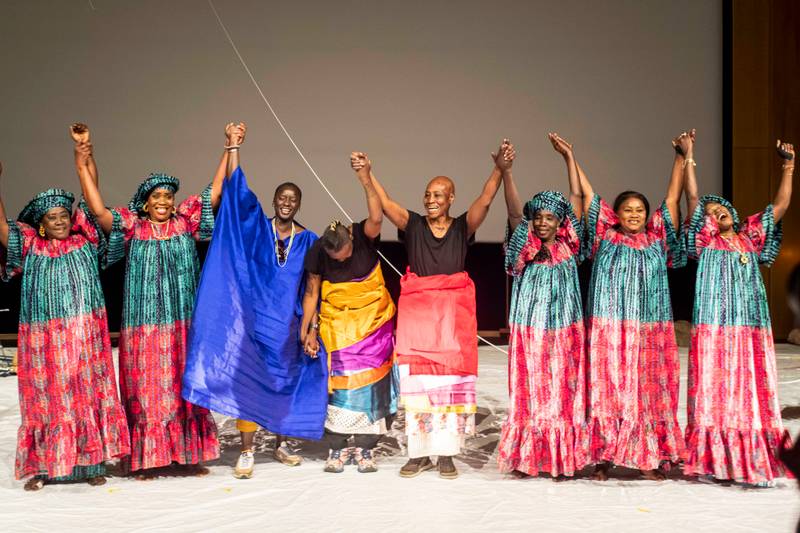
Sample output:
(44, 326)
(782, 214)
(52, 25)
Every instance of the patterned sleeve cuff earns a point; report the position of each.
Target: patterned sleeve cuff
(676, 247)
(590, 227)
(773, 236)
(11, 258)
(520, 248)
(206, 215)
(114, 249)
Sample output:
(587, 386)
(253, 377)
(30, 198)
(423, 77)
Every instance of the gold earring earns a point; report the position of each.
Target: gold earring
(144, 207)
(174, 210)
(41, 230)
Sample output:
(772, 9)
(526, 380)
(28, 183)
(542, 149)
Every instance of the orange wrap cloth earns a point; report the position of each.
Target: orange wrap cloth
(356, 327)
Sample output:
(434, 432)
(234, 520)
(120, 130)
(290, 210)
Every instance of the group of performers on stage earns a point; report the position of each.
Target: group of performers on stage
(299, 335)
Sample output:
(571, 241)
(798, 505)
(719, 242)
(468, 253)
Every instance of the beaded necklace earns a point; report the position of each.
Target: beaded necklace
(282, 253)
(159, 234)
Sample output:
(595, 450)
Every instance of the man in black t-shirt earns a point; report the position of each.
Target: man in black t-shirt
(437, 329)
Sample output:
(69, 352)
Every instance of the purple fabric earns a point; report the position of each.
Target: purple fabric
(371, 352)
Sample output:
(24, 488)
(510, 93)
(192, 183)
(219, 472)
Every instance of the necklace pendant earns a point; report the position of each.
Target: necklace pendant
(743, 259)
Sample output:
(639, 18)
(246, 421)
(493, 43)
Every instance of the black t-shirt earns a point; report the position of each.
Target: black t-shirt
(358, 265)
(429, 255)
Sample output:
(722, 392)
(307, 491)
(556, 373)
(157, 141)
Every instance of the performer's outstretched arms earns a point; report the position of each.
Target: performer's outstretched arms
(784, 195)
(513, 203)
(564, 148)
(672, 201)
(87, 173)
(234, 137)
(477, 212)
(81, 135)
(3, 221)
(309, 325)
(397, 214)
(684, 164)
(363, 168)
(586, 189)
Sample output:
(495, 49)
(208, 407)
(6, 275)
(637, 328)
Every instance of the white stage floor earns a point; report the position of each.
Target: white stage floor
(306, 498)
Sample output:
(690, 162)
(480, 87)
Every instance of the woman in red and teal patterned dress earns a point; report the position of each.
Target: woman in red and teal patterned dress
(546, 426)
(72, 419)
(158, 237)
(734, 427)
(633, 357)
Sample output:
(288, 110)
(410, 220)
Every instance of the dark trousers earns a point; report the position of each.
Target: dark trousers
(338, 441)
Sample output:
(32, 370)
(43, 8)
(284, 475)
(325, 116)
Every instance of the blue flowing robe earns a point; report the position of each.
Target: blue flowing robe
(245, 358)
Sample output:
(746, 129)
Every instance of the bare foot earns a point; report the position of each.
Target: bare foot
(34, 484)
(654, 475)
(144, 475)
(600, 472)
(197, 470)
(96, 481)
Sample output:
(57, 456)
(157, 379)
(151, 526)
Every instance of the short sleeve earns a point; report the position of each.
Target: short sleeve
(660, 228)
(463, 228)
(122, 229)
(360, 235)
(85, 223)
(412, 227)
(20, 240)
(570, 231)
(199, 215)
(763, 234)
(312, 263)
(521, 246)
(601, 219)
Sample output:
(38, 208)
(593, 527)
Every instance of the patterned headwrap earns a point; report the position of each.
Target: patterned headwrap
(153, 182)
(552, 201)
(43, 202)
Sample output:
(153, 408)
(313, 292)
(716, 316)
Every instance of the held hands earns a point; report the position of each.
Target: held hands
(684, 143)
(235, 134)
(560, 145)
(311, 344)
(361, 164)
(79, 133)
(504, 157)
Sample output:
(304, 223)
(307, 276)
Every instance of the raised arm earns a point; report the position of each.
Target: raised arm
(362, 165)
(234, 137)
(575, 190)
(684, 151)
(3, 221)
(88, 179)
(80, 134)
(397, 214)
(587, 192)
(784, 195)
(504, 159)
(308, 327)
(477, 212)
(233, 134)
(672, 201)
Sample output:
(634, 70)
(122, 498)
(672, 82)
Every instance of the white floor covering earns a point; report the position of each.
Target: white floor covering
(305, 498)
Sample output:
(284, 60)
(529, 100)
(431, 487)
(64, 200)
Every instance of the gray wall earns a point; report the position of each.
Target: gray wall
(425, 88)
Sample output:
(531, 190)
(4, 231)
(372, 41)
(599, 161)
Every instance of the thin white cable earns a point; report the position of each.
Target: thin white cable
(297, 148)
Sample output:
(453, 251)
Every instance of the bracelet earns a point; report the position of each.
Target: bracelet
(687, 161)
(787, 167)
(315, 325)
(232, 147)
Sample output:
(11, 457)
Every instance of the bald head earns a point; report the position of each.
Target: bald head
(442, 181)
(439, 196)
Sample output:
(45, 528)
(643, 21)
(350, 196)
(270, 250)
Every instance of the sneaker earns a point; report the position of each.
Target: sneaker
(244, 465)
(447, 469)
(286, 454)
(336, 461)
(416, 466)
(366, 463)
